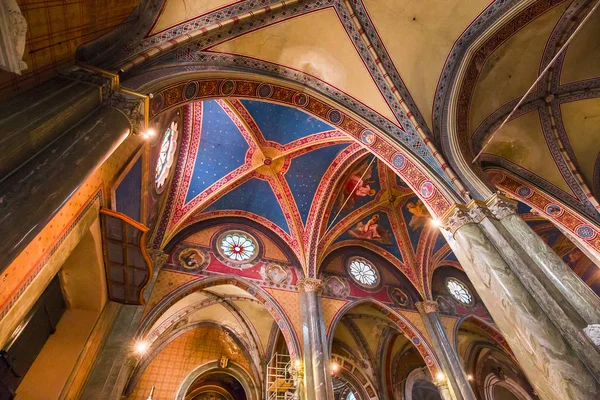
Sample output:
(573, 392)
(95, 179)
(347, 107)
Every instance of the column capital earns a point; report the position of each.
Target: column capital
(158, 257)
(107, 82)
(502, 206)
(310, 285)
(427, 306)
(134, 107)
(460, 215)
(441, 383)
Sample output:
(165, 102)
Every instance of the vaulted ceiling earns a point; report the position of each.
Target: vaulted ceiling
(393, 63)
(306, 182)
(551, 141)
(303, 180)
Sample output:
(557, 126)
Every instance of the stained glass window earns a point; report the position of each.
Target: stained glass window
(238, 247)
(459, 291)
(351, 396)
(166, 155)
(363, 272)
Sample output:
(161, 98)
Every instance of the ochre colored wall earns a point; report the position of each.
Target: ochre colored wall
(180, 357)
(24, 279)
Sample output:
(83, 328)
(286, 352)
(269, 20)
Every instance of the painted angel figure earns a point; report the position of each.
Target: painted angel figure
(419, 212)
(357, 185)
(371, 230)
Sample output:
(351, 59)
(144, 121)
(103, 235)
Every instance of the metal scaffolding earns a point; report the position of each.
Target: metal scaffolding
(280, 382)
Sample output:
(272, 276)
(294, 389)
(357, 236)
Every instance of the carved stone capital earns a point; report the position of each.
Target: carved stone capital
(159, 258)
(427, 306)
(478, 212)
(456, 218)
(310, 285)
(502, 206)
(106, 83)
(133, 107)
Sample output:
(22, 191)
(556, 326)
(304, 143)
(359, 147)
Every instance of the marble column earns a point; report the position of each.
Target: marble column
(443, 388)
(451, 365)
(560, 281)
(567, 301)
(317, 375)
(549, 362)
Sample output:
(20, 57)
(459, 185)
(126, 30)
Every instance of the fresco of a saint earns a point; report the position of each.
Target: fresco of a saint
(357, 185)
(420, 215)
(371, 230)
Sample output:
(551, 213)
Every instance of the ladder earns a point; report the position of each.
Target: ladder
(280, 382)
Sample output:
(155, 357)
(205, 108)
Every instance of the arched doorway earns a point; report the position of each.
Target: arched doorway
(216, 386)
(419, 386)
(368, 346)
(211, 381)
(490, 363)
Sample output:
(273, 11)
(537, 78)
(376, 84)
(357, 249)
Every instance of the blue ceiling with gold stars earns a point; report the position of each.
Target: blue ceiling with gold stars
(261, 159)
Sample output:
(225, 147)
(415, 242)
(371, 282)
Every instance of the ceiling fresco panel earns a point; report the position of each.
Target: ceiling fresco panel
(512, 68)
(585, 46)
(582, 123)
(256, 197)
(522, 142)
(416, 216)
(418, 36)
(316, 44)
(375, 229)
(304, 175)
(360, 186)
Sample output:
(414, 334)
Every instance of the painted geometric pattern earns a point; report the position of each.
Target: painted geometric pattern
(290, 304)
(179, 358)
(229, 165)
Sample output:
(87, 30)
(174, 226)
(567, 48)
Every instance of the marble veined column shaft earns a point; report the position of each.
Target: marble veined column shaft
(549, 362)
(444, 390)
(569, 303)
(452, 367)
(551, 268)
(317, 375)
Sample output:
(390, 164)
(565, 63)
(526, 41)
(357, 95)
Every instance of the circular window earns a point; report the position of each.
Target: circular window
(239, 247)
(459, 291)
(166, 155)
(363, 272)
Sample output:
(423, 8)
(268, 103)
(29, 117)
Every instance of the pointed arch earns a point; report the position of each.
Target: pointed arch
(278, 314)
(403, 325)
